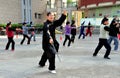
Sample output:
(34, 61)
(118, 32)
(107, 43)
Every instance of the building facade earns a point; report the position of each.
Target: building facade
(57, 6)
(19, 11)
(99, 8)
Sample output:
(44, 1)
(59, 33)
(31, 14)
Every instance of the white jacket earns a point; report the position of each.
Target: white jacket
(104, 34)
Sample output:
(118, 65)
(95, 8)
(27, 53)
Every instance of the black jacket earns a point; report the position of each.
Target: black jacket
(113, 29)
(49, 31)
(73, 30)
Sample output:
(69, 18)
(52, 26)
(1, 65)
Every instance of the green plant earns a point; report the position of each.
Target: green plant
(3, 25)
(16, 26)
(39, 25)
(69, 1)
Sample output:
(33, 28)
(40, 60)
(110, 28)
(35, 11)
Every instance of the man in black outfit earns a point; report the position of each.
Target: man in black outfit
(49, 38)
(114, 30)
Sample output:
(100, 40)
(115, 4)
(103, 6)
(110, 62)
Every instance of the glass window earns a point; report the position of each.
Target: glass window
(52, 3)
(30, 15)
(64, 3)
(69, 3)
(24, 13)
(30, 2)
(35, 15)
(39, 16)
(24, 2)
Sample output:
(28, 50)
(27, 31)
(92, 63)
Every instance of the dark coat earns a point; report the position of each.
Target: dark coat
(73, 30)
(49, 31)
(113, 29)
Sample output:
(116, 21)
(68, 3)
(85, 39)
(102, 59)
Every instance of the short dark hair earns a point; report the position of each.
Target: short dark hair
(104, 19)
(73, 22)
(48, 13)
(67, 22)
(24, 23)
(8, 24)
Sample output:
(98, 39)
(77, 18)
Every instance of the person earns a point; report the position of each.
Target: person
(10, 35)
(119, 33)
(73, 31)
(103, 39)
(25, 34)
(49, 38)
(114, 30)
(67, 33)
(32, 32)
(119, 36)
(88, 31)
(82, 28)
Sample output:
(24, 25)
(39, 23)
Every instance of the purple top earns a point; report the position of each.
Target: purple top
(67, 30)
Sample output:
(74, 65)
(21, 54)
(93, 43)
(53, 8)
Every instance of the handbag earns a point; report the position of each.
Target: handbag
(52, 49)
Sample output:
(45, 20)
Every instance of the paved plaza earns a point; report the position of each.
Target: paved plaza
(76, 61)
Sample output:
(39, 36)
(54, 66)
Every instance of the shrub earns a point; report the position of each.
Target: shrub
(13, 25)
(3, 25)
(39, 26)
(16, 26)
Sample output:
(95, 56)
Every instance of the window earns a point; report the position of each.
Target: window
(30, 15)
(52, 3)
(24, 13)
(26, 10)
(100, 14)
(30, 2)
(93, 14)
(24, 2)
(39, 16)
(35, 15)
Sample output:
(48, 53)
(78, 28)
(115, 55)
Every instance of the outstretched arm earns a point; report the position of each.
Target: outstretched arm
(61, 19)
(107, 28)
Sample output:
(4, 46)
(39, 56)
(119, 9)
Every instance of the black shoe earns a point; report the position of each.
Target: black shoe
(106, 58)
(28, 43)
(41, 66)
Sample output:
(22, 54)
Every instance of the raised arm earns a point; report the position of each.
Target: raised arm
(61, 19)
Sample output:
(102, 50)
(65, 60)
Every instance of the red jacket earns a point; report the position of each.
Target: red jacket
(9, 32)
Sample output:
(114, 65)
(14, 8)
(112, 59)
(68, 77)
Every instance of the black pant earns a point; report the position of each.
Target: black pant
(81, 35)
(103, 42)
(67, 37)
(72, 38)
(25, 36)
(10, 40)
(51, 58)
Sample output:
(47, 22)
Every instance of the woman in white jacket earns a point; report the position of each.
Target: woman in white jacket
(103, 39)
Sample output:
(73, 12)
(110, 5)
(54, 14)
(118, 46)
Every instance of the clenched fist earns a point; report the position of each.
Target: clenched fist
(65, 12)
(51, 41)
